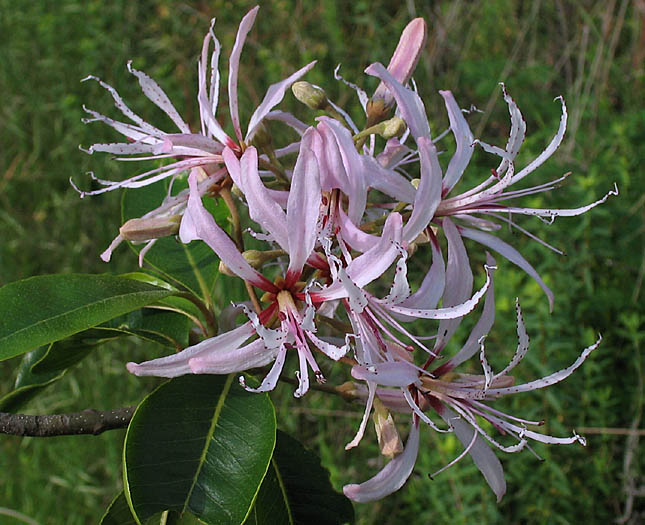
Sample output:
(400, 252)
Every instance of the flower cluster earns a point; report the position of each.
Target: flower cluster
(341, 214)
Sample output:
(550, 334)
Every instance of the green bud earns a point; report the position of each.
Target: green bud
(257, 258)
(393, 127)
(139, 230)
(309, 94)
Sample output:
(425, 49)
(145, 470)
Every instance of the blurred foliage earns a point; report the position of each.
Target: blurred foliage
(590, 52)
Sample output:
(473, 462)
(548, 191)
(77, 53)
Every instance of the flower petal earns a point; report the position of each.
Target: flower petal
(483, 326)
(273, 97)
(397, 373)
(198, 223)
(303, 207)
(510, 253)
(409, 103)
(428, 195)
(253, 355)
(393, 475)
(548, 380)
(482, 455)
(234, 68)
(262, 208)
(157, 95)
(464, 139)
(227, 345)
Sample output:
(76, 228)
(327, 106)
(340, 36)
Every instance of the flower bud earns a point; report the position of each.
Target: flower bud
(402, 64)
(257, 258)
(309, 94)
(225, 270)
(140, 230)
(394, 127)
(388, 437)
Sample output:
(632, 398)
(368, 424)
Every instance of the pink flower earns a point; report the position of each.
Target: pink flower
(432, 206)
(295, 232)
(192, 149)
(462, 401)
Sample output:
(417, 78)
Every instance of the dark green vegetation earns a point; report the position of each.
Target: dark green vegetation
(590, 52)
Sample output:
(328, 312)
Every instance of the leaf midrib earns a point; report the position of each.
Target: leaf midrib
(211, 431)
(283, 489)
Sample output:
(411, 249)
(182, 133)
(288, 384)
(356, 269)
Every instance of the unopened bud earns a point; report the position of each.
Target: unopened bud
(225, 270)
(309, 94)
(140, 230)
(257, 258)
(393, 127)
(388, 437)
(403, 62)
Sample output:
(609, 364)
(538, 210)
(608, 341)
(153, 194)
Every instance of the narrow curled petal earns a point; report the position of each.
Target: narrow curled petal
(273, 97)
(226, 348)
(393, 475)
(428, 195)
(481, 329)
(234, 68)
(303, 206)
(482, 455)
(550, 379)
(448, 312)
(371, 391)
(400, 288)
(550, 149)
(157, 95)
(409, 103)
(271, 379)
(522, 343)
(510, 253)
(459, 280)
(464, 139)
(262, 208)
(397, 373)
(198, 223)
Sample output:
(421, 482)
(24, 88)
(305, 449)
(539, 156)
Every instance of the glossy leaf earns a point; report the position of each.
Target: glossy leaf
(193, 265)
(297, 490)
(118, 513)
(198, 444)
(28, 384)
(49, 308)
(44, 366)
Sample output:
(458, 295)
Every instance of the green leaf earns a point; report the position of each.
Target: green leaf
(198, 443)
(193, 265)
(118, 513)
(48, 308)
(297, 490)
(158, 325)
(44, 366)
(28, 384)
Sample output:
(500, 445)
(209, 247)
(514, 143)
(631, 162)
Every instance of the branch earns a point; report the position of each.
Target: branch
(89, 421)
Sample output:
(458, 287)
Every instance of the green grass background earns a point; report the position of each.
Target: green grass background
(590, 52)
